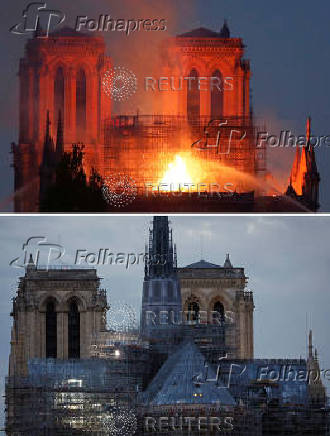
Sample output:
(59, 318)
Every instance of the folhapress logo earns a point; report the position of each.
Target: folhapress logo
(40, 251)
(37, 16)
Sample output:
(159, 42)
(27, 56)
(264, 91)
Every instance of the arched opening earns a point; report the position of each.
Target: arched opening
(193, 97)
(218, 307)
(81, 105)
(157, 295)
(216, 95)
(73, 331)
(193, 311)
(58, 95)
(51, 330)
(170, 295)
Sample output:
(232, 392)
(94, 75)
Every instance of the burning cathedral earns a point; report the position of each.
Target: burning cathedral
(188, 368)
(201, 134)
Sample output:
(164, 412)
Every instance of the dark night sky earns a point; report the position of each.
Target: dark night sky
(287, 43)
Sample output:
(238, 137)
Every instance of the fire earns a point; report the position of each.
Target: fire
(177, 175)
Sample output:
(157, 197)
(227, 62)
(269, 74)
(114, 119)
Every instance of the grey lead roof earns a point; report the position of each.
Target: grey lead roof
(181, 380)
(203, 264)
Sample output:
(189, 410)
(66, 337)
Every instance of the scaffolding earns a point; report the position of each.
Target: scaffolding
(143, 146)
(78, 396)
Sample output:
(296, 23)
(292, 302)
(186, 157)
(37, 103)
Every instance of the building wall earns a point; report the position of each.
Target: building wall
(36, 288)
(205, 55)
(37, 73)
(208, 286)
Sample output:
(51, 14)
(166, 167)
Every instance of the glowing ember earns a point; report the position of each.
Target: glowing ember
(176, 176)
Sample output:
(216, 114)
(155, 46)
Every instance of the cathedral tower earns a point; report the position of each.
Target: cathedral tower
(161, 290)
(55, 313)
(61, 73)
(209, 288)
(208, 73)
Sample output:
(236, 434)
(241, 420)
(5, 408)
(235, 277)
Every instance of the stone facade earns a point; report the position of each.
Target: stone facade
(60, 286)
(212, 287)
(62, 72)
(204, 54)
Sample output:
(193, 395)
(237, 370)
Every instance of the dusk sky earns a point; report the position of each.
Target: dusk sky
(286, 259)
(287, 44)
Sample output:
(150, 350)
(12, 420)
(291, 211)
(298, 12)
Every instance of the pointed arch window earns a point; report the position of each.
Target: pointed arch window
(193, 97)
(81, 105)
(218, 307)
(73, 331)
(216, 95)
(193, 311)
(157, 293)
(170, 293)
(51, 330)
(58, 94)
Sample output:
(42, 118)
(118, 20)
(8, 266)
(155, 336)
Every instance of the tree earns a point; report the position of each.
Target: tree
(71, 192)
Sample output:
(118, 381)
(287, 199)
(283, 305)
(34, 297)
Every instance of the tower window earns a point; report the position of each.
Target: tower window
(193, 311)
(218, 307)
(193, 97)
(74, 331)
(81, 105)
(51, 331)
(216, 95)
(58, 95)
(170, 291)
(157, 291)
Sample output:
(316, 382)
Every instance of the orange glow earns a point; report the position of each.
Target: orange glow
(177, 175)
(188, 173)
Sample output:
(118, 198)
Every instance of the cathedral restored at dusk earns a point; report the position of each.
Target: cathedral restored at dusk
(193, 352)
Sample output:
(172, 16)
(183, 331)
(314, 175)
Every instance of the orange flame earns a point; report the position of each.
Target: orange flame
(177, 175)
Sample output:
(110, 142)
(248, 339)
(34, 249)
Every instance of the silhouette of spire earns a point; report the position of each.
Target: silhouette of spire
(48, 145)
(308, 130)
(30, 264)
(311, 161)
(59, 138)
(295, 167)
(310, 345)
(225, 32)
(161, 247)
(227, 264)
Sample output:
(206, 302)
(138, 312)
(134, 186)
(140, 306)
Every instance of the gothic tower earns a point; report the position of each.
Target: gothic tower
(219, 83)
(316, 389)
(219, 292)
(55, 314)
(161, 290)
(60, 73)
(305, 178)
(207, 83)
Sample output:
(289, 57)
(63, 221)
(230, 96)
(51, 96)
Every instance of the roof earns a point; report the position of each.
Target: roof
(203, 264)
(201, 32)
(181, 380)
(70, 32)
